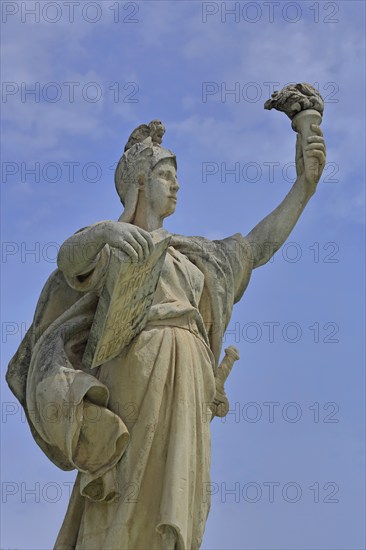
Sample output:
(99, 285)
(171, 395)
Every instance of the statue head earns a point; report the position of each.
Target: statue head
(143, 152)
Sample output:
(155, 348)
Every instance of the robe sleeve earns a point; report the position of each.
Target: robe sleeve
(66, 403)
(239, 255)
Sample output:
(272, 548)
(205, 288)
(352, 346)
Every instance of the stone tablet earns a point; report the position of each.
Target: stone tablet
(124, 303)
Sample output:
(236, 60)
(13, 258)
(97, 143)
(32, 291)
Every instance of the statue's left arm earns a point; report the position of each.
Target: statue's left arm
(271, 233)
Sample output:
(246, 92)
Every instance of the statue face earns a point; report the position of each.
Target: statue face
(162, 188)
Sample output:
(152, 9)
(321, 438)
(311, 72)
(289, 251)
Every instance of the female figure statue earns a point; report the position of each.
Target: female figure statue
(137, 427)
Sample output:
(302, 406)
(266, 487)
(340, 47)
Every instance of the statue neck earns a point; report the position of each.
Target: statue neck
(145, 217)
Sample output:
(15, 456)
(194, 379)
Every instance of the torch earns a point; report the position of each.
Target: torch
(304, 105)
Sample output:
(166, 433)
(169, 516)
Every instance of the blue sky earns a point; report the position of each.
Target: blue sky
(277, 483)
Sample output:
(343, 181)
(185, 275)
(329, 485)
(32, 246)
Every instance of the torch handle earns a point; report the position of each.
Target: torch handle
(301, 124)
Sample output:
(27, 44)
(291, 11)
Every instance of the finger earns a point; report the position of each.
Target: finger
(316, 139)
(131, 239)
(317, 130)
(316, 154)
(315, 146)
(134, 242)
(129, 250)
(143, 243)
(147, 239)
(147, 236)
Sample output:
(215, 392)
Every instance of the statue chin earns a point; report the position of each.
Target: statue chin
(170, 211)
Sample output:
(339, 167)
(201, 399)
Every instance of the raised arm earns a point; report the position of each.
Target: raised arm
(271, 233)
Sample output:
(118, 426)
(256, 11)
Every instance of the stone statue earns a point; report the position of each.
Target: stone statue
(137, 427)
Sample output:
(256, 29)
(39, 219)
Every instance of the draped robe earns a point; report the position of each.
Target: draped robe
(136, 428)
